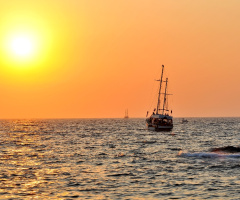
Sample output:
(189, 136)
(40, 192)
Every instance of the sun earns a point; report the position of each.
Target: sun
(27, 48)
(22, 46)
(21, 49)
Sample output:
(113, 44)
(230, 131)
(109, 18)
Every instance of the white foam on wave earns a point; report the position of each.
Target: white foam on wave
(207, 155)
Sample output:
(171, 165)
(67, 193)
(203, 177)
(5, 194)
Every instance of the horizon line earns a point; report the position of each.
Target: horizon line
(32, 118)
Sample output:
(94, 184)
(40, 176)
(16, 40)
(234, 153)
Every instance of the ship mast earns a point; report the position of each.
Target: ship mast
(126, 113)
(165, 96)
(160, 87)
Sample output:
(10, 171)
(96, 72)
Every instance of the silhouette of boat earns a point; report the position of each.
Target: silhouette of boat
(126, 114)
(161, 120)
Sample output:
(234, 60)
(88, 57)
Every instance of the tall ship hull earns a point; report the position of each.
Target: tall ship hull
(161, 120)
(159, 128)
(159, 123)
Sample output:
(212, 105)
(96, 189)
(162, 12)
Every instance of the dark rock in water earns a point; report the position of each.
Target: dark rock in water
(227, 149)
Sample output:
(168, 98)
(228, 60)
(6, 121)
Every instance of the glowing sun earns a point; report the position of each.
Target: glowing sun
(25, 44)
(22, 46)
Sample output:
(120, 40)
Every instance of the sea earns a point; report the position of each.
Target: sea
(118, 159)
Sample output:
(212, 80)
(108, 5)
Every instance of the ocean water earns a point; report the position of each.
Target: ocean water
(118, 159)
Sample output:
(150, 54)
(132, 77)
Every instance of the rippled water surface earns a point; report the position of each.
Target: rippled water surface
(118, 159)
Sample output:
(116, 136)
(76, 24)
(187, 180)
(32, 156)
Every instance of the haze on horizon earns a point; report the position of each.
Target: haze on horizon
(95, 59)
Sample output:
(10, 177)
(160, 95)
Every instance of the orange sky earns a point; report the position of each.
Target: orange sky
(97, 58)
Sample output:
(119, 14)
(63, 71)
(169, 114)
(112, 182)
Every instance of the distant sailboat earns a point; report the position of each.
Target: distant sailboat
(126, 114)
(161, 120)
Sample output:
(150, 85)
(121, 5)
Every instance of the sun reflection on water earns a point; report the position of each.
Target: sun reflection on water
(92, 159)
(21, 160)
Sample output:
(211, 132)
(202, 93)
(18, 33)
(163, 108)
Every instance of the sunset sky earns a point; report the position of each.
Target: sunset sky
(97, 58)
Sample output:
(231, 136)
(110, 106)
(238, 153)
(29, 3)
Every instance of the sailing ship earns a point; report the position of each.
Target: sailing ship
(126, 114)
(161, 120)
